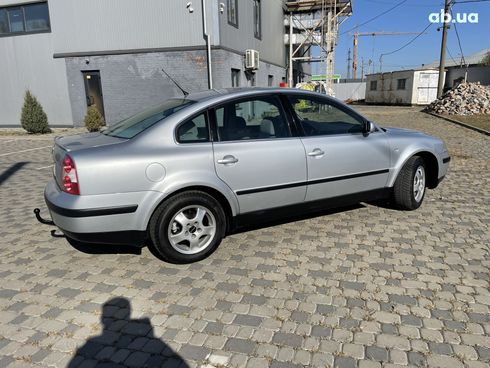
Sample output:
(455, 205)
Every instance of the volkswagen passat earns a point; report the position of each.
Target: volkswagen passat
(182, 174)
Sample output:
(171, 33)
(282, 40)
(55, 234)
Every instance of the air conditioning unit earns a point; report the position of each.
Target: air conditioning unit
(252, 60)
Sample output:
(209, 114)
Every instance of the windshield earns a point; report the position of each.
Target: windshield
(135, 124)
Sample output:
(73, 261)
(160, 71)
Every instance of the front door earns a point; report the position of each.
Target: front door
(93, 89)
(341, 159)
(256, 155)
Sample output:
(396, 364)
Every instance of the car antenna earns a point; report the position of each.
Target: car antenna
(178, 85)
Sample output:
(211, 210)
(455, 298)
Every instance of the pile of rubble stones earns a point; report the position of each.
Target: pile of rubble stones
(465, 99)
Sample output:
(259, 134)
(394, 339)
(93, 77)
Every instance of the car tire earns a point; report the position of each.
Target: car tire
(410, 185)
(187, 227)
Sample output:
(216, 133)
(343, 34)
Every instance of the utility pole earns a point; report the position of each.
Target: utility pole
(349, 59)
(362, 69)
(442, 62)
(354, 62)
(290, 69)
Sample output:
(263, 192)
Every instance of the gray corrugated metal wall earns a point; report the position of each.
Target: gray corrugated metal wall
(94, 25)
(350, 91)
(271, 46)
(27, 63)
(130, 81)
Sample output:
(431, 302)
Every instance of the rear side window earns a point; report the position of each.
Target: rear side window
(194, 130)
(256, 118)
(134, 125)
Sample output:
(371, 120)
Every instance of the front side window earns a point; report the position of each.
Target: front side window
(319, 117)
(22, 19)
(232, 6)
(257, 19)
(401, 83)
(134, 125)
(194, 130)
(258, 118)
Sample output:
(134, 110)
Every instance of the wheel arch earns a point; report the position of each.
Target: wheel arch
(213, 192)
(432, 167)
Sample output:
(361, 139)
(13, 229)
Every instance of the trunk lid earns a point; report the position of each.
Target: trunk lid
(86, 140)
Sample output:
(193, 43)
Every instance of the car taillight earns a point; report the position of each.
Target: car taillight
(69, 177)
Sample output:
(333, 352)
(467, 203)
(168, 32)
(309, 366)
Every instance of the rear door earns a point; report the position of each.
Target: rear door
(341, 160)
(256, 154)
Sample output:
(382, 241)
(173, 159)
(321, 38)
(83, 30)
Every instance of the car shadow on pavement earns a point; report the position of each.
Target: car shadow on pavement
(262, 221)
(4, 176)
(89, 248)
(125, 342)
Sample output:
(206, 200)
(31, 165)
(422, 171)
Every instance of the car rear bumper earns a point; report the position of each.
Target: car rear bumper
(95, 214)
(133, 238)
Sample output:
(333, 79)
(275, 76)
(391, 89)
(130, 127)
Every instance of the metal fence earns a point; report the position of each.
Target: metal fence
(350, 91)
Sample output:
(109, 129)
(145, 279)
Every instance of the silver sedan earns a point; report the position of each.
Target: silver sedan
(187, 172)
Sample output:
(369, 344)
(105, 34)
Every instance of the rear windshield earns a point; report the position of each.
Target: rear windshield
(135, 124)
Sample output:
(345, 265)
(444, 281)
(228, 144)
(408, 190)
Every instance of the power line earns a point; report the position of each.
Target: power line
(459, 40)
(409, 42)
(470, 1)
(375, 17)
(419, 5)
(401, 48)
(451, 56)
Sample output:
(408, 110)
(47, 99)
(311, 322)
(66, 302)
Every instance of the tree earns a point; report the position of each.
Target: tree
(94, 120)
(33, 118)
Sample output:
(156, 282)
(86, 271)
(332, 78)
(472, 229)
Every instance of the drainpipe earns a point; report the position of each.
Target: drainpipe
(208, 44)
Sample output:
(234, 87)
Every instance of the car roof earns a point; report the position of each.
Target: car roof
(202, 96)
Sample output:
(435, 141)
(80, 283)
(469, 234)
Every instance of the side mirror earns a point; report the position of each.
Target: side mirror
(369, 127)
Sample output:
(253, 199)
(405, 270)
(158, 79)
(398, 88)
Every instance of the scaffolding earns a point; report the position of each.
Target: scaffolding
(315, 23)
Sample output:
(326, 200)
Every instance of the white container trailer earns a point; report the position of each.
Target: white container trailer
(404, 87)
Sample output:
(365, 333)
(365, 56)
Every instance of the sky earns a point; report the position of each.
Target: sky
(412, 16)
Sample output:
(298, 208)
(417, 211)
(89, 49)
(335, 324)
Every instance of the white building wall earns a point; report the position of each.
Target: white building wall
(27, 63)
(387, 92)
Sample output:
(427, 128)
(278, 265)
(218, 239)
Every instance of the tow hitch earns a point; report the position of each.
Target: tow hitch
(54, 233)
(37, 212)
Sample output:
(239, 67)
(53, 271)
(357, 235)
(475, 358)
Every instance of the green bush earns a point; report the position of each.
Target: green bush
(33, 118)
(94, 120)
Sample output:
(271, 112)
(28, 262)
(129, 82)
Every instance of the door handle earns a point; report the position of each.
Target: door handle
(316, 152)
(227, 160)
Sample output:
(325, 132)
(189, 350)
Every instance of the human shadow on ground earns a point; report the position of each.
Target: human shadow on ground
(125, 342)
(4, 176)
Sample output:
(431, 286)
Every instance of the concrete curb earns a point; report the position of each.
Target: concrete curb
(479, 130)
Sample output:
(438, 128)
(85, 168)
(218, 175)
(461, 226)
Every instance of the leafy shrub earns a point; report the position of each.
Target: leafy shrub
(94, 120)
(33, 118)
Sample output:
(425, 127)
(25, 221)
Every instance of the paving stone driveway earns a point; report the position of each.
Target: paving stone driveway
(364, 287)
